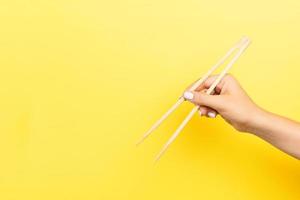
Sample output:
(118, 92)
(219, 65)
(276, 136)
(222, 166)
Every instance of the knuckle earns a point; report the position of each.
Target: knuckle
(198, 98)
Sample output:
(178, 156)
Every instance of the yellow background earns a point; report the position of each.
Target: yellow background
(82, 80)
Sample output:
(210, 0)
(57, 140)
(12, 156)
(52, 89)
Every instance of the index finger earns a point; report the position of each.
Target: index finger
(207, 83)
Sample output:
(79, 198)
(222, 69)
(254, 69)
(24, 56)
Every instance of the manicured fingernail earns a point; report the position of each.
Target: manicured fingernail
(211, 114)
(188, 95)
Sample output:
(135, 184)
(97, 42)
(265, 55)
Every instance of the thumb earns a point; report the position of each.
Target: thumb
(203, 99)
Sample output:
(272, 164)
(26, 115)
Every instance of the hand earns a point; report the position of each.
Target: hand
(235, 106)
(229, 100)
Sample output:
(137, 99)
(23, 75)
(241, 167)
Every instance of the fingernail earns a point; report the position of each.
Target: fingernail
(211, 114)
(188, 95)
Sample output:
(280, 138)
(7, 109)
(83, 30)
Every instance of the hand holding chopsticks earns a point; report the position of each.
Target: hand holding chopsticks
(241, 47)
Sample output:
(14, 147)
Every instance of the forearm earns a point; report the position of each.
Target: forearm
(278, 131)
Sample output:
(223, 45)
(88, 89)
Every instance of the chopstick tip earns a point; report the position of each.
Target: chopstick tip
(139, 141)
(159, 155)
(157, 158)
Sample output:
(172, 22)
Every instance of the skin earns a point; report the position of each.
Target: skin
(234, 105)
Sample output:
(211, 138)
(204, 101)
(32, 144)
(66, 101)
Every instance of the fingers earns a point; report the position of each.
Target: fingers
(202, 99)
(199, 88)
(210, 105)
(228, 80)
(208, 82)
(208, 112)
(205, 85)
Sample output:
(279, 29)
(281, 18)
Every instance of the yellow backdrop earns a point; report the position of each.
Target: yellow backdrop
(82, 80)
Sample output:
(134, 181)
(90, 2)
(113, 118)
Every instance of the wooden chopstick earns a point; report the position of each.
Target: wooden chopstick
(194, 86)
(209, 91)
(240, 43)
(174, 107)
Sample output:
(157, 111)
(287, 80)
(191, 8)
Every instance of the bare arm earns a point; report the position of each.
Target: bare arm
(281, 132)
(235, 106)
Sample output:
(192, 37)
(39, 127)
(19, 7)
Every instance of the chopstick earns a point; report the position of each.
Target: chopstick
(194, 86)
(209, 91)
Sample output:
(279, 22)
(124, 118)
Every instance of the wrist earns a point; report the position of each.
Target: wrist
(257, 121)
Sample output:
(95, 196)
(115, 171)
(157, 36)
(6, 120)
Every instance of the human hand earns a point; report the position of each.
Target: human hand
(228, 99)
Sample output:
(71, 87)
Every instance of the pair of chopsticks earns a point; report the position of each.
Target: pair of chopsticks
(241, 46)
